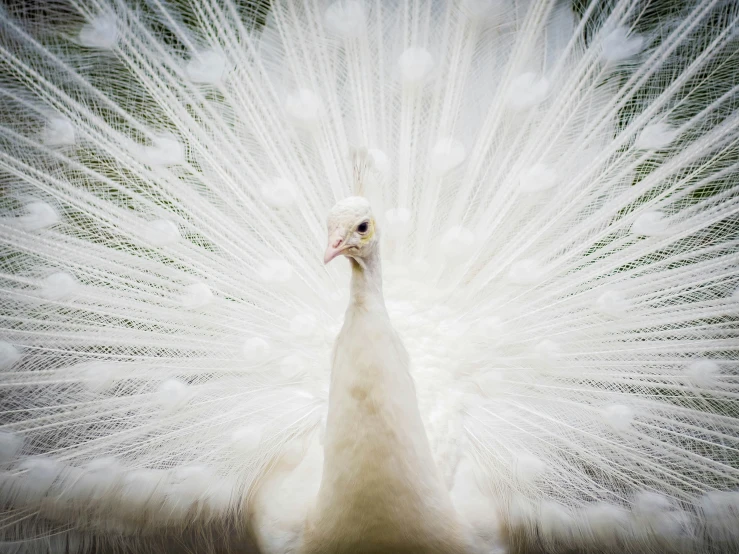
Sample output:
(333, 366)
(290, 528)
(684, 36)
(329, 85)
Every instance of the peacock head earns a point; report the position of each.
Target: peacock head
(351, 229)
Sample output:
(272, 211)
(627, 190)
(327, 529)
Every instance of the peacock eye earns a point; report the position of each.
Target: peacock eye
(363, 227)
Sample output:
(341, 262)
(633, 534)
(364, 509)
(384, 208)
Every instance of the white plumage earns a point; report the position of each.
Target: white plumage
(554, 195)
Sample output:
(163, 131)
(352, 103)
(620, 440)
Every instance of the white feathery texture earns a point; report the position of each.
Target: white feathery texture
(556, 193)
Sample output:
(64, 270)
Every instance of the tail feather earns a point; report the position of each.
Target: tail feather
(557, 198)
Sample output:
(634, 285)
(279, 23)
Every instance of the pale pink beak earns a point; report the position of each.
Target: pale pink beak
(335, 246)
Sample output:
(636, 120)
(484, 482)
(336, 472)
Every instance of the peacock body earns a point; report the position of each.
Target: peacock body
(554, 201)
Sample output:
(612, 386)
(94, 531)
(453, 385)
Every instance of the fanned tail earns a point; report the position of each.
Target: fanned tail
(558, 196)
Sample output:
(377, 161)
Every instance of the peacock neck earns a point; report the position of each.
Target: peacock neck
(366, 283)
(380, 489)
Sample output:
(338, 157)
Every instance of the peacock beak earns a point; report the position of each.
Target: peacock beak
(335, 246)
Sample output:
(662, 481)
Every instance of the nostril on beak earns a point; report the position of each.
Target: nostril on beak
(334, 246)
